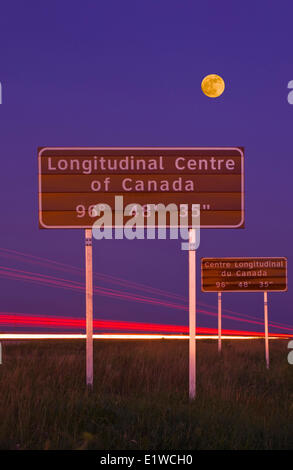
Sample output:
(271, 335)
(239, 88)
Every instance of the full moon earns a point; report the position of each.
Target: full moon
(213, 85)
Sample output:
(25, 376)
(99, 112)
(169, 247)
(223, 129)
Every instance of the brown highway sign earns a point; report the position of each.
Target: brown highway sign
(243, 274)
(73, 180)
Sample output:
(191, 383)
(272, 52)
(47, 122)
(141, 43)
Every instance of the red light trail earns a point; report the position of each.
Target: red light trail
(113, 325)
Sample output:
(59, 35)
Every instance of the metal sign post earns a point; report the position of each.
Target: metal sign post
(192, 315)
(219, 321)
(266, 329)
(89, 306)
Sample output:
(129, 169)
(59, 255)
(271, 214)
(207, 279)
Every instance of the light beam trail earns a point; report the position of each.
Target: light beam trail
(79, 323)
(29, 336)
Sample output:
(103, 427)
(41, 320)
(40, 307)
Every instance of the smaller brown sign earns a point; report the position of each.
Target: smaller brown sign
(243, 274)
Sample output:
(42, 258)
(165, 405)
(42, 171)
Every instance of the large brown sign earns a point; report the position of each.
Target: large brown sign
(72, 181)
(243, 274)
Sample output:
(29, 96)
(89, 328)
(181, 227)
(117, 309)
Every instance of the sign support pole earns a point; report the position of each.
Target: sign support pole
(219, 322)
(266, 329)
(89, 306)
(192, 315)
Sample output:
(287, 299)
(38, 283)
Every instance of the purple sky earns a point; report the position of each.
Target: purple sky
(128, 74)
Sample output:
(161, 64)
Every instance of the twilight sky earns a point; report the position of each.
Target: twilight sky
(92, 73)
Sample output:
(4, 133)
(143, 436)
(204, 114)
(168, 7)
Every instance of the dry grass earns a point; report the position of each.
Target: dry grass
(140, 397)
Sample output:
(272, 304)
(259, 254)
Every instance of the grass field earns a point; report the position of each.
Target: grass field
(140, 397)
